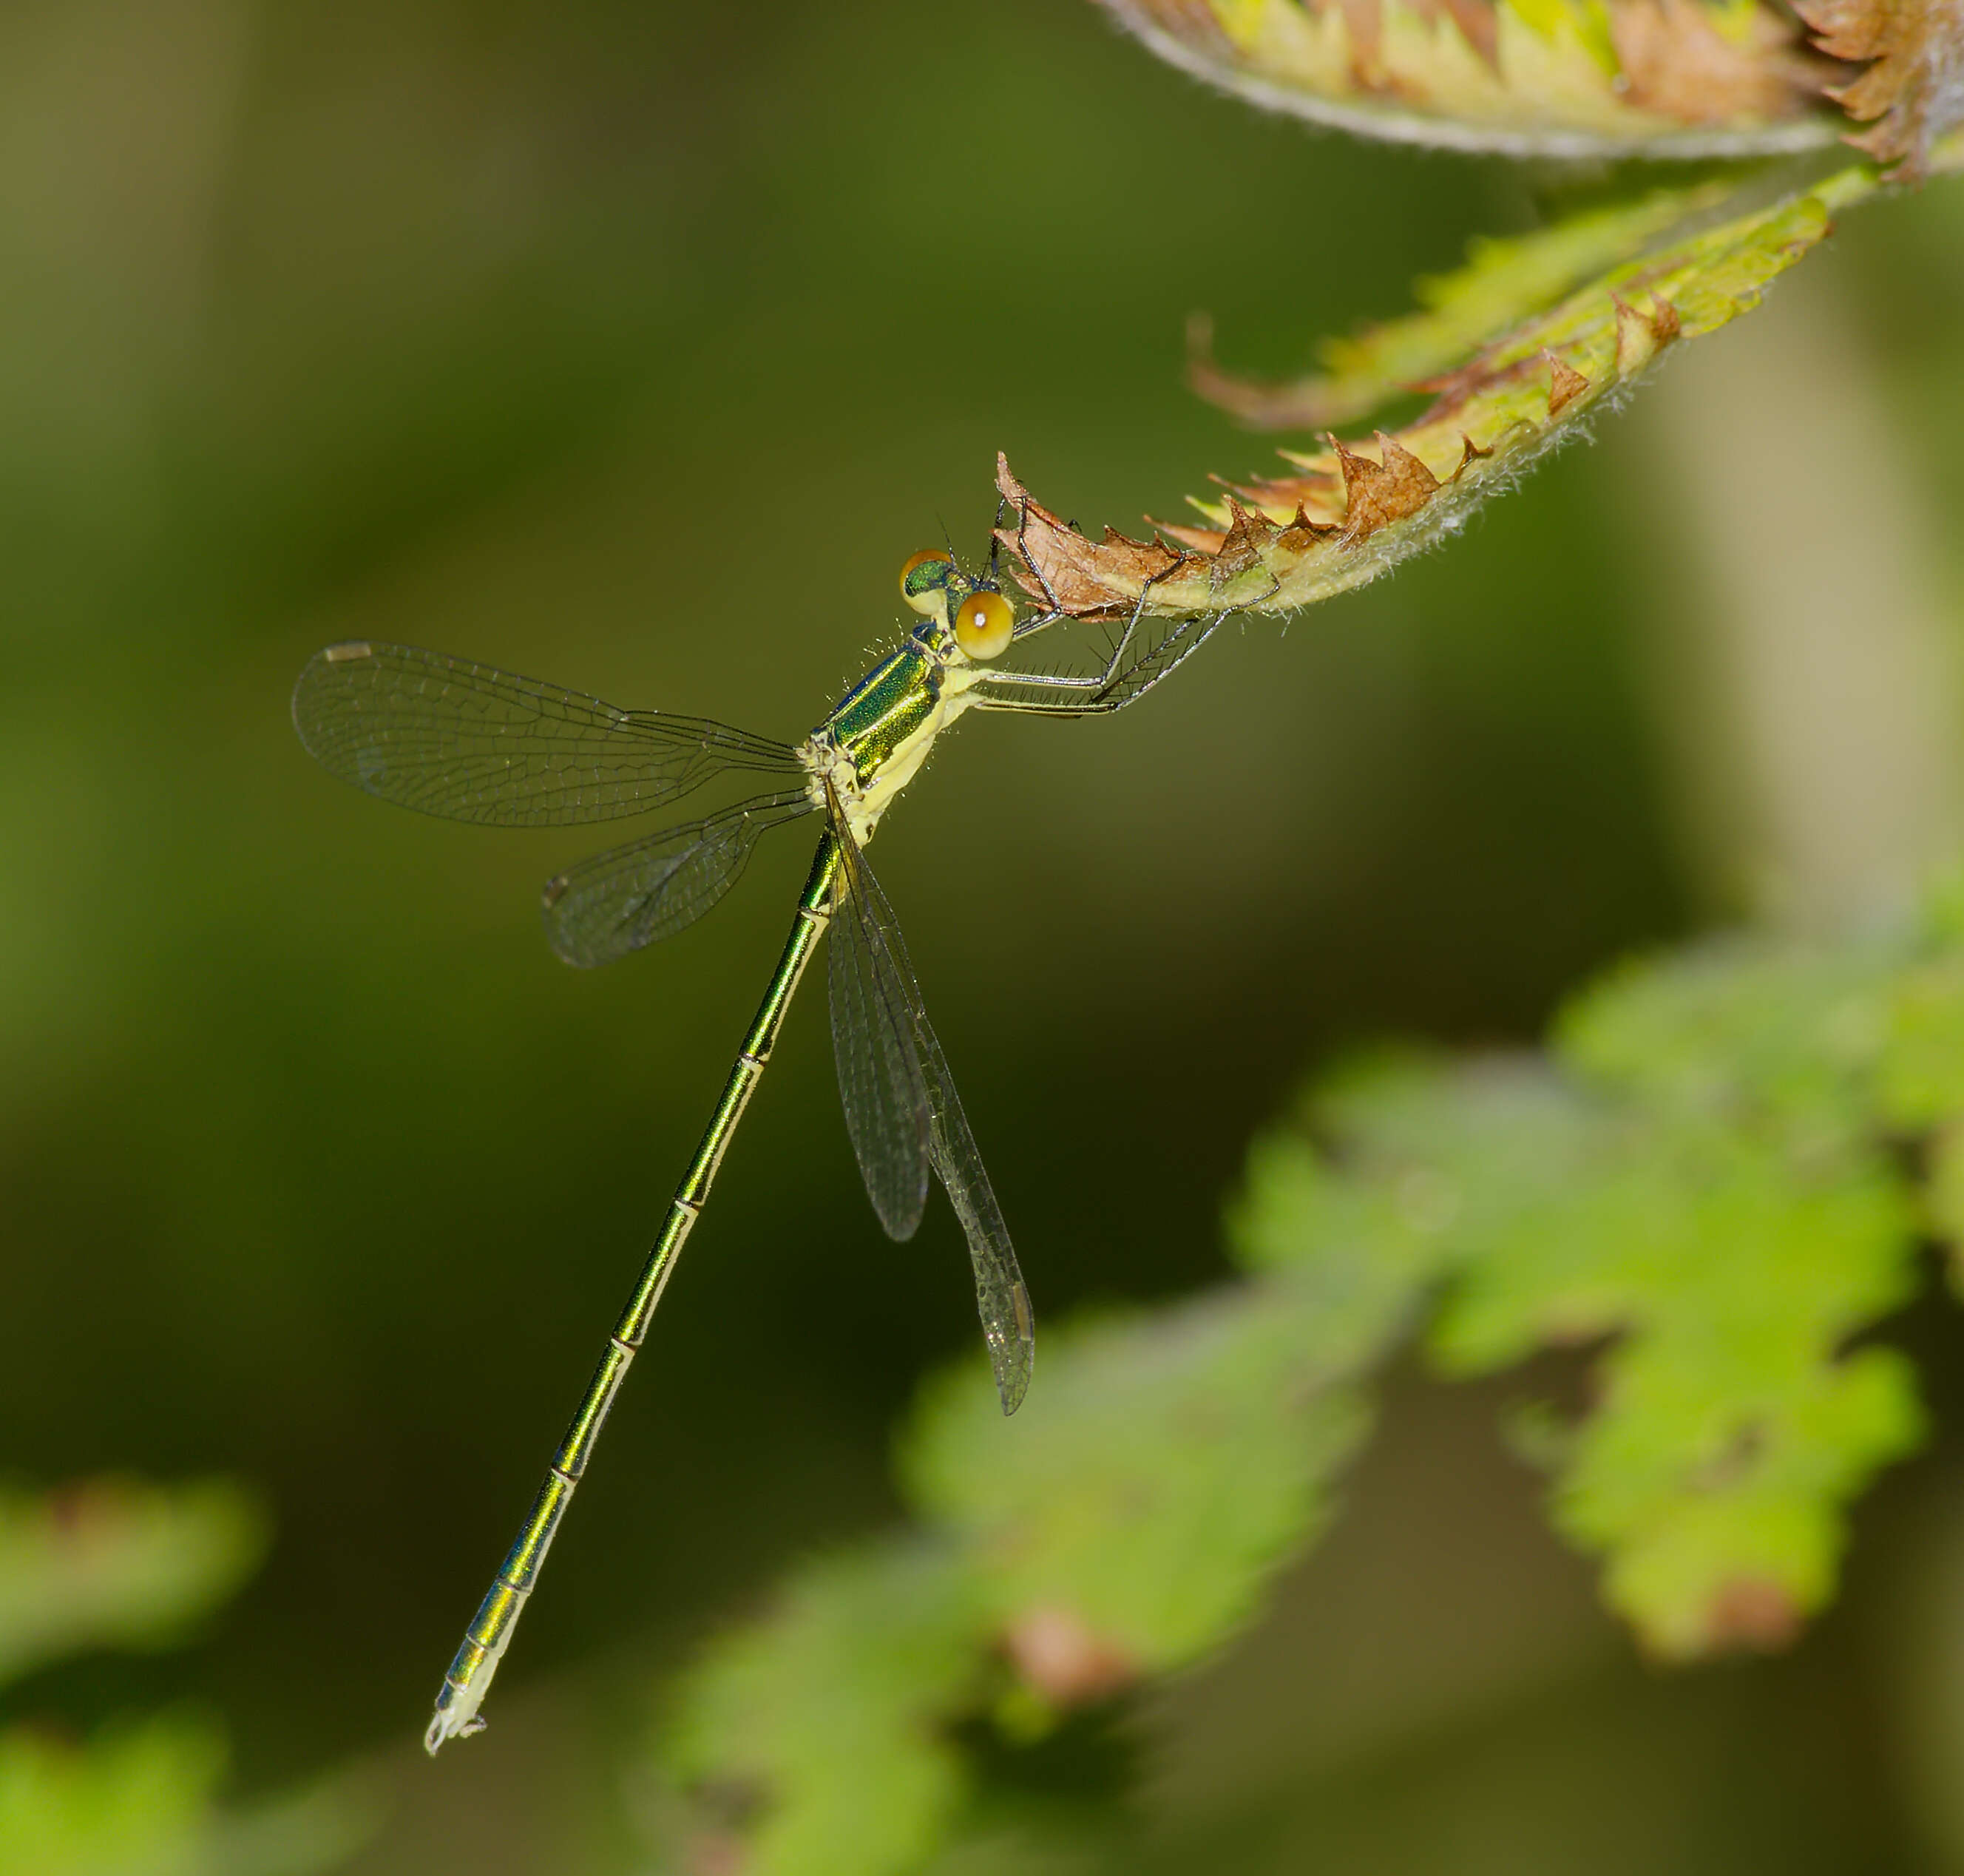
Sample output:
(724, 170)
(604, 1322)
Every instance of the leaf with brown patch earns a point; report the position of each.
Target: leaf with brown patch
(1344, 514)
(1551, 77)
(1064, 1660)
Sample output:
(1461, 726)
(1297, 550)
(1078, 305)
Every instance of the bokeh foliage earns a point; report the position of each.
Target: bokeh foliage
(1713, 1185)
(449, 323)
(113, 1564)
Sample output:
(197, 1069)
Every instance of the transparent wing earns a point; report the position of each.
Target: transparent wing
(620, 900)
(882, 1084)
(1001, 1299)
(445, 736)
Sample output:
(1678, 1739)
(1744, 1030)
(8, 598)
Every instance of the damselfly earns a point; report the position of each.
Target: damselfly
(447, 737)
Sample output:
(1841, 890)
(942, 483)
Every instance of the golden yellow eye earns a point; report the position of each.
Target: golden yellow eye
(984, 624)
(924, 582)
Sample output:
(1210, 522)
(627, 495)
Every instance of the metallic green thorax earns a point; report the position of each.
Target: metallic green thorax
(887, 710)
(874, 743)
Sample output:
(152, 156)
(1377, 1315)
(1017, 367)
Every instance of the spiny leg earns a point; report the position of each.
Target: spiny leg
(1106, 706)
(1023, 554)
(1105, 685)
(1188, 636)
(1099, 680)
(996, 542)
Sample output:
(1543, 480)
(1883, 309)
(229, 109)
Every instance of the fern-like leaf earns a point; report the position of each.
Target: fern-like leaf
(1544, 78)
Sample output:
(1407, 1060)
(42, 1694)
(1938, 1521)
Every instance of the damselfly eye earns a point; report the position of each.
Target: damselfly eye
(984, 624)
(924, 582)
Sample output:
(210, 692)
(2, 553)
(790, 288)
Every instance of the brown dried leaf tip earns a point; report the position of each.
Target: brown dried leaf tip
(1913, 87)
(1640, 336)
(1750, 1614)
(1058, 565)
(1343, 517)
(1676, 60)
(1565, 383)
(1063, 1660)
(1377, 494)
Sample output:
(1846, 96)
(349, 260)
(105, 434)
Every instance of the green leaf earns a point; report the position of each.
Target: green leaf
(1724, 1032)
(1726, 1431)
(1697, 1189)
(116, 1564)
(1695, 1175)
(818, 1729)
(1171, 1461)
(113, 1564)
(132, 1802)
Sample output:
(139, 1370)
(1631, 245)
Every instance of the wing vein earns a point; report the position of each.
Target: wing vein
(444, 736)
(864, 917)
(617, 902)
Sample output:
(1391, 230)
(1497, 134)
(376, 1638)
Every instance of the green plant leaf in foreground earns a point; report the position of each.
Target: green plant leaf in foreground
(1697, 1189)
(1346, 514)
(114, 1563)
(134, 1801)
(817, 1730)
(1134, 1410)
(139, 1799)
(1197, 1440)
(1721, 1268)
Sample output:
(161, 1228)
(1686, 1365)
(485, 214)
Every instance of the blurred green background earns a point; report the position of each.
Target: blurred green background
(633, 347)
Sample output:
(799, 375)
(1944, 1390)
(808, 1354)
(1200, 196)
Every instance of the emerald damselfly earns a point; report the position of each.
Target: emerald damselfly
(451, 738)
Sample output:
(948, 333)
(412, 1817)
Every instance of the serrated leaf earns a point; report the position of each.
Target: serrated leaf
(1349, 512)
(1346, 516)
(1700, 1188)
(1125, 1523)
(1913, 89)
(1170, 1463)
(1694, 1181)
(1726, 1427)
(1554, 78)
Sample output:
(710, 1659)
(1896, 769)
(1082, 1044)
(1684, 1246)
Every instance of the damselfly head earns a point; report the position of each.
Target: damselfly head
(928, 581)
(983, 620)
